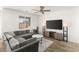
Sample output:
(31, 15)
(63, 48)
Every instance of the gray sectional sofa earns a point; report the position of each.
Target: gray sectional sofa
(22, 41)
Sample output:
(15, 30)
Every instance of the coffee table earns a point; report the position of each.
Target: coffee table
(38, 36)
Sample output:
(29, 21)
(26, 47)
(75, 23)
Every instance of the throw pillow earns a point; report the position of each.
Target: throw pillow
(13, 42)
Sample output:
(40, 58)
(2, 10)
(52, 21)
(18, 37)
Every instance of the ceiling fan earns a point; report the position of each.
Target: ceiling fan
(41, 10)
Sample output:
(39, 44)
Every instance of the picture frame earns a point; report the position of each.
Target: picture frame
(24, 22)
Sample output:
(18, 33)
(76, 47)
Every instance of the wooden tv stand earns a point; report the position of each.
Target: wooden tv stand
(54, 35)
(49, 34)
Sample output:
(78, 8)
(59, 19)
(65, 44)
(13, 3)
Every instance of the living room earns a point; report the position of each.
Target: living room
(13, 16)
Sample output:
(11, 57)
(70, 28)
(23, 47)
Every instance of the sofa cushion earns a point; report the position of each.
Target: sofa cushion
(8, 36)
(11, 33)
(27, 31)
(22, 32)
(17, 32)
(26, 36)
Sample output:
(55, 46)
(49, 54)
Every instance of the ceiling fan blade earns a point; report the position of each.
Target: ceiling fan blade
(41, 10)
(46, 10)
(35, 10)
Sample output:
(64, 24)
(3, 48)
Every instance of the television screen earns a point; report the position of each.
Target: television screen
(54, 24)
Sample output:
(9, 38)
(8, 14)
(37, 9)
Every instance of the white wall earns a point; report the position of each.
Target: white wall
(11, 20)
(70, 15)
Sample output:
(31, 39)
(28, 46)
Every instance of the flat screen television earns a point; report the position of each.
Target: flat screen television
(54, 24)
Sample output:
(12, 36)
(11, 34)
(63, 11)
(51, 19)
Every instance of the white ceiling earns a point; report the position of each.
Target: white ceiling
(29, 8)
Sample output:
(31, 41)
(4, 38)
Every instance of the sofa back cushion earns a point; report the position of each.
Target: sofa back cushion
(8, 35)
(22, 32)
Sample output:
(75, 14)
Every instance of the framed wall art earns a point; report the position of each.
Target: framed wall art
(24, 22)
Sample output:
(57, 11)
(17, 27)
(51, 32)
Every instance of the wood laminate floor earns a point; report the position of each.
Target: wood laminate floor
(60, 46)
